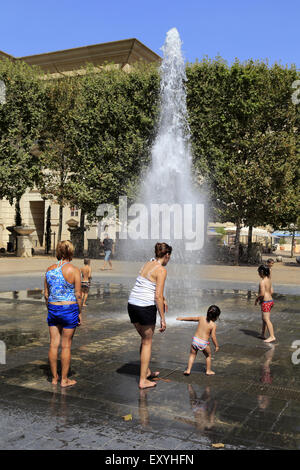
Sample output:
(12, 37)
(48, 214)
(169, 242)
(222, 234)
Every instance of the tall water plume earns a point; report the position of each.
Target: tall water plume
(169, 177)
(167, 200)
(168, 181)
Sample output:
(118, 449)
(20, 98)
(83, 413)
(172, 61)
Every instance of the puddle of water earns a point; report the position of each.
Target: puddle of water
(18, 338)
(30, 294)
(109, 301)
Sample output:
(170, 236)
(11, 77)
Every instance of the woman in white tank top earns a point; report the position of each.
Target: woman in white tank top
(144, 300)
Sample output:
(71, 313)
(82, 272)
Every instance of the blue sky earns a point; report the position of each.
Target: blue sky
(245, 29)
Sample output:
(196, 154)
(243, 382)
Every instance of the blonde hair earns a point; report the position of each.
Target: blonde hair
(65, 250)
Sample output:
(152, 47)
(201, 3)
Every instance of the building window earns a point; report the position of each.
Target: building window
(74, 211)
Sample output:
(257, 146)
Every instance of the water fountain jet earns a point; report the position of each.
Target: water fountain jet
(168, 181)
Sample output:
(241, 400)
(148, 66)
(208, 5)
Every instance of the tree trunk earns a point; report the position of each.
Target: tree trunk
(293, 241)
(61, 197)
(249, 249)
(80, 248)
(18, 217)
(48, 231)
(60, 223)
(237, 244)
(82, 216)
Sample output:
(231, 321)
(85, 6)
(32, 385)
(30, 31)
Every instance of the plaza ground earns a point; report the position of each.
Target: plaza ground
(286, 272)
(253, 401)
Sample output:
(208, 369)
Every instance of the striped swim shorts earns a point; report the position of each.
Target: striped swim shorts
(199, 344)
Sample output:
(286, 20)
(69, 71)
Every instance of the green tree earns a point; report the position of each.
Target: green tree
(243, 129)
(115, 117)
(20, 125)
(98, 129)
(57, 142)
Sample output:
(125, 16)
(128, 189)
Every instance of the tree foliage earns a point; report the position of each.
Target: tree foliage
(114, 129)
(244, 131)
(21, 119)
(95, 133)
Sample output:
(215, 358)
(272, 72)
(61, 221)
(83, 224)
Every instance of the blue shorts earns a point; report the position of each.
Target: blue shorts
(107, 255)
(63, 315)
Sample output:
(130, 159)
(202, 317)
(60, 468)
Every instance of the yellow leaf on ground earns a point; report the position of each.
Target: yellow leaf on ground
(127, 417)
(218, 445)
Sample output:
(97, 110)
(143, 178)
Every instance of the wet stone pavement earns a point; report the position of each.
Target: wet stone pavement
(253, 401)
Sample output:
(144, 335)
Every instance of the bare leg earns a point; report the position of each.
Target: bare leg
(146, 333)
(266, 317)
(55, 337)
(149, 373)
(193, 354)
(207, 354)
(84, 298)
(66, 344)
(263, 329)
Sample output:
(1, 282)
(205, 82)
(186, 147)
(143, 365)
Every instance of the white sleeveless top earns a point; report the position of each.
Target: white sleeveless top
(143, 292)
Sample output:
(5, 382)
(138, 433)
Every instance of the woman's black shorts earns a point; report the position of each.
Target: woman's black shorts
(142, 315)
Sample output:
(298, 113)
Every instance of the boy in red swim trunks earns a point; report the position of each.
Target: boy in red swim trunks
(265, 299)
(206, 328)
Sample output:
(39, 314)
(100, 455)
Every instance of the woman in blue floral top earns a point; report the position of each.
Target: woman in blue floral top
(63, 299)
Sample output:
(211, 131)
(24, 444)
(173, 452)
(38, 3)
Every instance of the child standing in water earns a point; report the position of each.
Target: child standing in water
(265, 299)
(269, 265)
(86, 273)
(206, 328)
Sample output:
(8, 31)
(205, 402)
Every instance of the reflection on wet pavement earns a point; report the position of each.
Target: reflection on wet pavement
(252, 402)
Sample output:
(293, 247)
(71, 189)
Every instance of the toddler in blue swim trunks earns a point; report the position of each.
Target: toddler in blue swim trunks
(206, 328)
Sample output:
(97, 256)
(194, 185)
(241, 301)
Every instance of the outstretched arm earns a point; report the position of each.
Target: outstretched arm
(78, 291)
(214, 337)
(261, 292)
(187, 318)
(159, 297)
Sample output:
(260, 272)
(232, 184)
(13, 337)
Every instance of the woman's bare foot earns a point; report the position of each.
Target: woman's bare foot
(67, 383)
(55, 380)
(270, 339)
(186, 372)
(210, 372)
(152, 375)
(146, 384)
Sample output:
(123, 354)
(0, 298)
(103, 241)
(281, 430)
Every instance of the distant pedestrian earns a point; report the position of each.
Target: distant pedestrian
(63, 298)
(269, 264)
(86, 274)
(108, 248)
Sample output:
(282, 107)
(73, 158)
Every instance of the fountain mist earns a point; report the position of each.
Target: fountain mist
(169, 177)
(168, 181)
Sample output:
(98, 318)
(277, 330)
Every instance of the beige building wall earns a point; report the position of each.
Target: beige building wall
(34, 214)
(32, 207)
(7, 219)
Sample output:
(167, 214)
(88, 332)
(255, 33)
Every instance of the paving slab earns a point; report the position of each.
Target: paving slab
(253, 401)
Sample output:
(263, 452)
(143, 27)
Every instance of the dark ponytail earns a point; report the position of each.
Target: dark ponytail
(264, 270)
(161, 249)
(213, 313)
